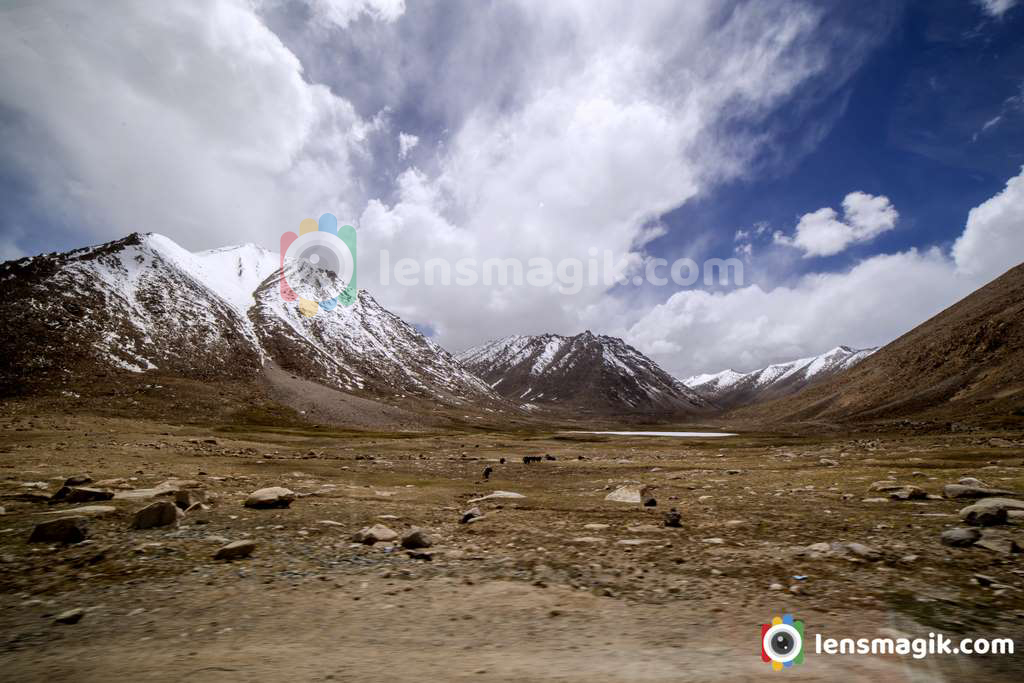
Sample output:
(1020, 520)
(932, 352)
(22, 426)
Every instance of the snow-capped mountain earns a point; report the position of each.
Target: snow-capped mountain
(587, 372)
(144, 303)
(731, 389)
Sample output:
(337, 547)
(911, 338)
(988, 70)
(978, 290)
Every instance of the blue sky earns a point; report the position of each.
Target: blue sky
(838, 149)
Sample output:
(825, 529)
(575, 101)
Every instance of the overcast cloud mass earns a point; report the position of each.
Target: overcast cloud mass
(516, 129)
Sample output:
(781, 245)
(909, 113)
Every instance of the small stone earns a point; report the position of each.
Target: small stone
(161, 513)
(971, 481)
(775, 587)
(908, 493)
(71, 616)
(374, 534)
(415, 539)
(828, 462)
(236, 550)
(78, 480)
(863, 551)
(630, 493)
(272, 497)
(63, 530)
(596, 527)
(960, 538)
(673, 519)
(187, 498)
(470, 514)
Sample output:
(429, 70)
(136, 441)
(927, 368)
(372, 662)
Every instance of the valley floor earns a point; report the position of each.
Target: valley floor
(560, 585)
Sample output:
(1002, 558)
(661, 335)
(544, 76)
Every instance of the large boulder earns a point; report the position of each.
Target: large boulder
(63, 530)
(160, 513)
(272, 497)
(990, 511)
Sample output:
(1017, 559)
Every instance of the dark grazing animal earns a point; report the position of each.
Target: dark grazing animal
(527, 459)
(487, 472)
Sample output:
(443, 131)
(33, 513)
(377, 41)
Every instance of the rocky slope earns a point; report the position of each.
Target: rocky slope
(143, 303)
(966, 363)
(731, 389)
(587, 372)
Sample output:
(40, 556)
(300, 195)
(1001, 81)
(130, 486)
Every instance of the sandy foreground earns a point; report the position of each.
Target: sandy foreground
(558, 585)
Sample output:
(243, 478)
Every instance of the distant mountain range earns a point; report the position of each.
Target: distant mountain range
(144, 303)
(730, 389)
(585, 373)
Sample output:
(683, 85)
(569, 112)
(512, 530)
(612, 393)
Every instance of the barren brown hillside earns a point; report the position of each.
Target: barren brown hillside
(965, 363)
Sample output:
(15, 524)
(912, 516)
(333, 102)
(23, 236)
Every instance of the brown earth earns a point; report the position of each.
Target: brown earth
(529, 593)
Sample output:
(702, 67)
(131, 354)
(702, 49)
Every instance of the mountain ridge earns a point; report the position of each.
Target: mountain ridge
(584, 372)
(731, 389)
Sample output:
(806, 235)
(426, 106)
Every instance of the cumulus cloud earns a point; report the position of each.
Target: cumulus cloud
(541, 129)
(993, 240)
(824, 232)
(750, 327)
(190, 119)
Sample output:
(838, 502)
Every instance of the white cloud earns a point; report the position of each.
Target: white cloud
(615, 122)
(824, 233)
(190, 119)
(996, 8)
(406, 142)
(750, 327)
(993, 240)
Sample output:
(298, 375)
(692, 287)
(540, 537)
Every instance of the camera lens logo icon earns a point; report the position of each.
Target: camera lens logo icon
(782, 642)
(318, 265)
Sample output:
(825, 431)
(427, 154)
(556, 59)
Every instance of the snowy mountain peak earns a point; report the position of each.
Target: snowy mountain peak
(732, 389)
(145, 303)
(591, 372)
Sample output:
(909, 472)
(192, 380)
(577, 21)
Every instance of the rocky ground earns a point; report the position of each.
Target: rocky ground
(558, 582)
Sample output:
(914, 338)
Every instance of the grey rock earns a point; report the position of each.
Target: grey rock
(962, 491)
(908, 493)
(160, 513)
(63, 530)
(186, 498)
(960, 538)
(81, 494)
(236, 550)
(374, 534)
(829, 462)
(987, 512)
(415, 539)
(71, 616)
(863, 551)
(272, 497)
(78, 480)
(470, 514)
